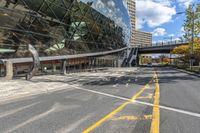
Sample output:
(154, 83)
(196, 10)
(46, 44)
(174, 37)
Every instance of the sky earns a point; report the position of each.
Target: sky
(160, 18)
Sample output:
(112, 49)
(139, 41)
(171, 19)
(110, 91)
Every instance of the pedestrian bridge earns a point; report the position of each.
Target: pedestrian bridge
(158, 48)
(132, 58)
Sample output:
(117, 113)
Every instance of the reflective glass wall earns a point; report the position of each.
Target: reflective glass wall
(60, 27)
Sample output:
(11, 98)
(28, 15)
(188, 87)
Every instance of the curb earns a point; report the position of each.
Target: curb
(190, 73)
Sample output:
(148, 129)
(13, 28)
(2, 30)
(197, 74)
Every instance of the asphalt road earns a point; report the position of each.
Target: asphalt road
(120, 102)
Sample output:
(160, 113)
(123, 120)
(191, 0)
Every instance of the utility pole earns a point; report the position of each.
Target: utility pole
(192, 48)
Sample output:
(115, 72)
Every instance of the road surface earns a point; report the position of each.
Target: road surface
(112, 101)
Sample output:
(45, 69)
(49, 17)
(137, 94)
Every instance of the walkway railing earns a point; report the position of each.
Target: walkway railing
(49, 58)
(175, 42)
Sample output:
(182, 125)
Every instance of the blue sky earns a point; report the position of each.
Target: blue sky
(159, 17)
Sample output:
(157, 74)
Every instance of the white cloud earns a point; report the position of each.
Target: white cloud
(159, 32)
(154, 12)
(171, 35)
(185, 3)
(181, 32)
(182, 29)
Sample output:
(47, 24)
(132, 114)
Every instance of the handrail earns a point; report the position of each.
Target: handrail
(170, 43)
(49, 58)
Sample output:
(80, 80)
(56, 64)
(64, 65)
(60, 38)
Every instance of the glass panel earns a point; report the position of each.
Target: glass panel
(57, 27)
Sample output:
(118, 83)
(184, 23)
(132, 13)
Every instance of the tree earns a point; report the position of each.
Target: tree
(163, 59)
(192, 14)
(184, 51)
(192, 19)
(146, 60)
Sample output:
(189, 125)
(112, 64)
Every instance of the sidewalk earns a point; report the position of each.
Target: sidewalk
(17, 88)
(188, 72)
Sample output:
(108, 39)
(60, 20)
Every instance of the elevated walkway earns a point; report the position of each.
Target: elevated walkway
(164, 47)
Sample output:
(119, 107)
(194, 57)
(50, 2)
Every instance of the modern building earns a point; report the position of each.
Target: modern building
(137, 37)
(132, 13)
(61, 27)
(143, 39)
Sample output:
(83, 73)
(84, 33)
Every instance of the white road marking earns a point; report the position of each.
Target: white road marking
(171, 109)
(75, 125)
(57, 107)
(34, 118)
(100, 93)
(140, 102)
(7, 113)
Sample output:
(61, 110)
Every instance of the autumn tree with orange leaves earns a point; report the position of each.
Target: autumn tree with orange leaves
(184, 52)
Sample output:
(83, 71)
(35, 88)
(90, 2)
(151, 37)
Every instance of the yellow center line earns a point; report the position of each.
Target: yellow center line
(144, 97)
(111, 114)
(155, 124)
(132, 118)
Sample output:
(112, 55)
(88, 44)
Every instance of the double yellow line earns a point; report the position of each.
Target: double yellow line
(156, 118)
(111, 114)
(155, 124)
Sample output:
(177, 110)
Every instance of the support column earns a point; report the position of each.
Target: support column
(63, 67)
(9, 70)
(54, 67)
(115, 63)
(95, 62)
(137, 62)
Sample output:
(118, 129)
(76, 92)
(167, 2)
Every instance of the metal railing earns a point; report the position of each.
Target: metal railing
(166, 43)
(49, 58)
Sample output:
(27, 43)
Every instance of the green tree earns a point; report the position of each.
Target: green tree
(192, 13)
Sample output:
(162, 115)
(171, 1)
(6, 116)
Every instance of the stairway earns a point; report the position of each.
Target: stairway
(131, 59)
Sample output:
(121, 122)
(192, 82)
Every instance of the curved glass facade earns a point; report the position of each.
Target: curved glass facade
(60, 27)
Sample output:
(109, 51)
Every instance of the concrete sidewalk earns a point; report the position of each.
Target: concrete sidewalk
(12, 89)
(20, 88)
(188, 72)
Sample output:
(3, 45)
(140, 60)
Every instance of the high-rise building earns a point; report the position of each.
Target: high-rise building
(137, 37)
(143, 39)
(132, 13)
